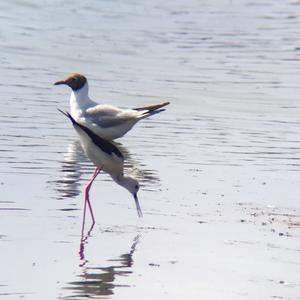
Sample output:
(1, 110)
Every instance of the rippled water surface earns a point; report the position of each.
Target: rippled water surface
(219, 169)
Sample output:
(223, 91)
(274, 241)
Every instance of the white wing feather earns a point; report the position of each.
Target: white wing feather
(109, 116)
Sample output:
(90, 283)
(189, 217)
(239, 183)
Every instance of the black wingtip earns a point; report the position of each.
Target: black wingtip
(105, 145)
(151, 113)
(64, 113)
(67, 115)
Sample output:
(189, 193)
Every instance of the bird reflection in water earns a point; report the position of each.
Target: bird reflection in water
(95, 282)
(74, 165)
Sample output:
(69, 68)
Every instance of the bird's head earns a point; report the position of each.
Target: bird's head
(132, 185)
(75, 81)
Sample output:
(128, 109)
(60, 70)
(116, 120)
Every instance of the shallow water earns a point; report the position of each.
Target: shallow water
(219, 169)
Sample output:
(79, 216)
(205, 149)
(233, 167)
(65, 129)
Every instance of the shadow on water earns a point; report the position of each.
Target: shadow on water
(75, 164)
(96, 282)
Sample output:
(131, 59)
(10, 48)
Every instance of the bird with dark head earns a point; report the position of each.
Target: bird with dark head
(105, 120)
(75, 81)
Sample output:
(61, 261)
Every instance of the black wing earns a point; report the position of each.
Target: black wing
(103, 144)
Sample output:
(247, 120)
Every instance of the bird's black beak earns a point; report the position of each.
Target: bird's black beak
(60, 82)
(137, 204)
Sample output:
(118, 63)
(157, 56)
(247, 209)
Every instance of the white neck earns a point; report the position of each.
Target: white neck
(124, 181)
(80, 100)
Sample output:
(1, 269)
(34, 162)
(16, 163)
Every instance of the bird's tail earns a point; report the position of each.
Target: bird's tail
(150, 110)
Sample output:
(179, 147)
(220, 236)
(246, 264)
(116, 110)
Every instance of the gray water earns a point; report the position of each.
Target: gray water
(219, 169)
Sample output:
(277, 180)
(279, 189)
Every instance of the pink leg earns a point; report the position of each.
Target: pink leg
(87, 199)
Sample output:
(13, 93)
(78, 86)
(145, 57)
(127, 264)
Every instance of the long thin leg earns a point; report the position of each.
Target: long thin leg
(87, 189)
(87, 198)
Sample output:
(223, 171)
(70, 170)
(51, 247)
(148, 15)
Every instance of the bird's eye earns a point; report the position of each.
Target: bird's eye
(136, 187)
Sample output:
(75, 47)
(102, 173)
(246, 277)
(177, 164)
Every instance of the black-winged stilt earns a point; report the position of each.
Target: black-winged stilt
(108, 158)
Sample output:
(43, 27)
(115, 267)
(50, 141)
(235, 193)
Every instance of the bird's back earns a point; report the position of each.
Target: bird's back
(107, 121)
(101, 152)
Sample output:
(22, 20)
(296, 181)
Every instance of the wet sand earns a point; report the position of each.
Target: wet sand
(219, 169)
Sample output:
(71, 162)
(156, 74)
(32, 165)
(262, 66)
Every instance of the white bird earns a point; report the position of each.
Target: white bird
(105, 120)
(107, 157)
